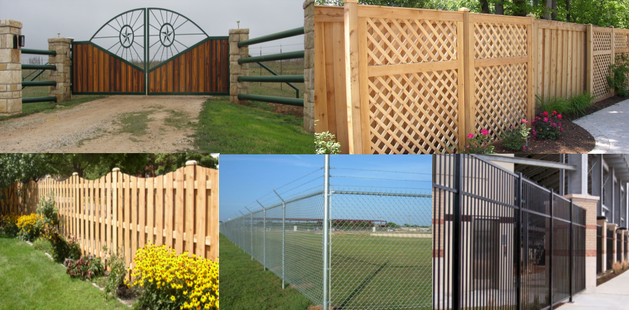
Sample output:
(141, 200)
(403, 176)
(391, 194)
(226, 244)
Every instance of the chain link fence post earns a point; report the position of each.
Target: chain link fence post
(326, 224)
(283, 232)
(251, 235)
(263, 237)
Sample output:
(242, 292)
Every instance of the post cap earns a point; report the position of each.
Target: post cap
(464, 9)
(191, 162)
(115, 169)
(75, 173)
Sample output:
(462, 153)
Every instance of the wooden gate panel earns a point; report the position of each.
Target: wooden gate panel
(201, 69)
(96, 71)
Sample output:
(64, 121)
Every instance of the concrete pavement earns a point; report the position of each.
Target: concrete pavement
(612, 295)
(610, 128)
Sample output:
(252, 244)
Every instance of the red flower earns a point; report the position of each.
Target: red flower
(545, 119)
(524, 120)
(554, 112)
(470, 136)
(545, 113)
(559, 116)
(524, 147)
(484, 132)
(560, 129)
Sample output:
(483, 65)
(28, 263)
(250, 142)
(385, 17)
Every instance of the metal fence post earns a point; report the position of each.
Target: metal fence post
(456, 232)
(283, 232)
(550, 257)
(263, 237)
(571, 250)
(518, 243)
(326, 214)
(251, 243)
(243, 229)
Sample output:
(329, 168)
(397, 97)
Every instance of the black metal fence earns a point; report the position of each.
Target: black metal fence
(618, 246)
(610, 248)
(599, 247)
(501, 241)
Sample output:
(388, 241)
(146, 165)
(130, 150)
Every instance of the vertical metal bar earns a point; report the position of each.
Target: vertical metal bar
(326, 214)
(146, 51)
(571, 274)
(456, 232)
(283, 232)
(550, 266)
(518, 244)
(263, 237)
(251, 243)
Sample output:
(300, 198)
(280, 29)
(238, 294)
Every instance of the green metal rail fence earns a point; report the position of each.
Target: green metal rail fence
(288, 79)
(39, 70)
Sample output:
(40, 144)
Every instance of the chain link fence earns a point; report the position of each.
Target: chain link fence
(379, 244)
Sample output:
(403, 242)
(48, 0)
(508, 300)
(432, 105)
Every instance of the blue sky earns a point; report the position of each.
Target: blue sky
(245, 178)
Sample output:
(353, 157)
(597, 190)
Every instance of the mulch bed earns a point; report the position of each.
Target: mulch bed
(574, 140)
(607, 276)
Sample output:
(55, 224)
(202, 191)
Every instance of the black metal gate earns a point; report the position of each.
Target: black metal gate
(618, 246)
(540, 238)
(599, 246)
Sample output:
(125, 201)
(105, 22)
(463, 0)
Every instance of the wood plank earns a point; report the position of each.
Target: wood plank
(168, 209)
(539, 89)
(90, 69)
(201, 211)
(182, 73)
(328, 14)
(553, 64)
(409, 13)
(90, 220)
(560, 66)
(127, 219)
(169, 74)
(142, 212)
(107, 74)
(339, 108)
(101, 215)
(462, 50)
(133, 224)
(189, 212)
(323, 62)
(159, 210)
(589, 83)
(530, 66)
(150, 210)
(557, 25)
(85, 72)
(363, 78)
(200, 68)
(179, 210)
(213, 209)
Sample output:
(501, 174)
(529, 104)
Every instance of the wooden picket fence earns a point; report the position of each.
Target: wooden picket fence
(419, 81)
(120, 211)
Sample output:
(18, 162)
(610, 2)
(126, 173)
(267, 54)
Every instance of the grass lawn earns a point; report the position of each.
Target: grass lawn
(235, 129)
(244, 284)
(30, 280)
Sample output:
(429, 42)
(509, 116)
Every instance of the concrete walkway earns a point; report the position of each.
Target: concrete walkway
(612, 295)
(610, 128)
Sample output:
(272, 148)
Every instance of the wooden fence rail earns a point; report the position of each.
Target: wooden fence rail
(419, 81)
(120, 211)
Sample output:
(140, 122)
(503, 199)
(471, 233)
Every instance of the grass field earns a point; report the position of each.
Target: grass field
(244, 284)
(367, 272)
(30, 280)
(235, 129)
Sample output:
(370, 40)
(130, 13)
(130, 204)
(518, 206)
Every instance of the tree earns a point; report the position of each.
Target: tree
(22, 167)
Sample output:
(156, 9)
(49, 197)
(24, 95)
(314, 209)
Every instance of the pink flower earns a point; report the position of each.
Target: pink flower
(559, 116)
(467, 146)
(470, 136)
(545, 113)
(545, 119)
(537, 118)
(484, 132)
(553, 124)
(560, 129)
(554, 112)
(524, 120)
(534, 133)
(524, 147)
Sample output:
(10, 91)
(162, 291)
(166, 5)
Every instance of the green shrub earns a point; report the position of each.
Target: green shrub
(9, 224)
(547, 126)
(515, 139)
(62, 249)
(43, 245)
(325, 143)
(117, 272)
(87, 267)
(550, 104)
(479, 143)
(48, 212)
(27, 224)
(617, 80)
(580, 103)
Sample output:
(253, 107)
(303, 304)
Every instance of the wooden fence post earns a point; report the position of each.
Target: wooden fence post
(75, 203)
(189, 219)
(589, 59)
(613, 55)
(114, 208)
(466, 73)
(531, 52)
(352, 77)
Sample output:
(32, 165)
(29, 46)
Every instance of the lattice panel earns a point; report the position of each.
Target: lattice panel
(601, 70)
(602, 41)
(495, 40)
(501, 97)
(397, 41)
(620, 41)
(413, 113)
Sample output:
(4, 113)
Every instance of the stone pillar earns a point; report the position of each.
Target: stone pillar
(602, 221)
(309, 76)
(589, 203)
(236, 69)
(613, 227)
(10, 68)
(63, 90)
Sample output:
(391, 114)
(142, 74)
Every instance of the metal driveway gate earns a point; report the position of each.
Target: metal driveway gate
(151, 51)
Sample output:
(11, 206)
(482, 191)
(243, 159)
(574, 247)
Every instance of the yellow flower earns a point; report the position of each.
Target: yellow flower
(172, 298)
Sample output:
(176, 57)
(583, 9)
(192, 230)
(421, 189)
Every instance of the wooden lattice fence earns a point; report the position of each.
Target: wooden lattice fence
(419, 81)
(120, 211)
